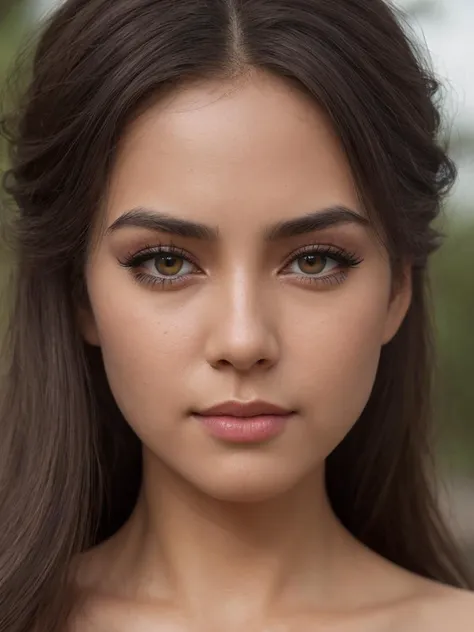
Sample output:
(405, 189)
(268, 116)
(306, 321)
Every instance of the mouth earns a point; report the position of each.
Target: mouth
(255, 408)
(241, 422)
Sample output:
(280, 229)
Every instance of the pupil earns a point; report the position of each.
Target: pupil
(168, 262)
(313, 261)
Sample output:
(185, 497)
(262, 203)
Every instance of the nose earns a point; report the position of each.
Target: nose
(243, 328)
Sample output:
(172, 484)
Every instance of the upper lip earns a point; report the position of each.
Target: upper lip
(245, 409)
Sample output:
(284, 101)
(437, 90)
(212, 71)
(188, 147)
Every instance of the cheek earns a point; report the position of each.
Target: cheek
(336, 355)
(146, 353)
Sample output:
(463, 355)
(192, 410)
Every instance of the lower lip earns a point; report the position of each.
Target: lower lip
(244, 429)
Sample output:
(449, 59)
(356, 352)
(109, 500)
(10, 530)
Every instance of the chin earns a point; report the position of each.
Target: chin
(247, 483)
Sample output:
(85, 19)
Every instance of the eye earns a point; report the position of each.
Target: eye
(322, 264)
(313, 264)
(167, 265)
(158, 265)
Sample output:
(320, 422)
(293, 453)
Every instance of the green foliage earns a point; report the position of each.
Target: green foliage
(453, 289)
(12, 27)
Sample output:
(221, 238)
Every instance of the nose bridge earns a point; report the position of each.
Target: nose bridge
(243, 328)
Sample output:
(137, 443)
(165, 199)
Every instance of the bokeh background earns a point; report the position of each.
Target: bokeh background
(444, 30)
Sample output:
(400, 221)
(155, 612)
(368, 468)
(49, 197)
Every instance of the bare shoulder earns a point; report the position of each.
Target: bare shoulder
(421, 604)
(444, 607)
(457, 606)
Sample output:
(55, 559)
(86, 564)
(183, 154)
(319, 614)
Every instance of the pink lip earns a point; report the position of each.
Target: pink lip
(244, 429)
(244, 422)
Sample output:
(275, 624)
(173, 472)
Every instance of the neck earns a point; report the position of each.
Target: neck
(235, 560)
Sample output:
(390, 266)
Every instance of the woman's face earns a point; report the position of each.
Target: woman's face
(246, 312)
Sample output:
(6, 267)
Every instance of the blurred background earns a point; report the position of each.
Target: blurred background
(444, 29)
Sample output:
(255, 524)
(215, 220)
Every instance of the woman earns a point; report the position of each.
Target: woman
(216, 411)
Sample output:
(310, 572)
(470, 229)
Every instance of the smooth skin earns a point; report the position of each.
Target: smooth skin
(224, 536)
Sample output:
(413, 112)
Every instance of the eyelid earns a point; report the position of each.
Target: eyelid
(146, 252)
(342, 255)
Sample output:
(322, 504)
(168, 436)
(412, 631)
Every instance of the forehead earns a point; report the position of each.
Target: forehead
(245, 150)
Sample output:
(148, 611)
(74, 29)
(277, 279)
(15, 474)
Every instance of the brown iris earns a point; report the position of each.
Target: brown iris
(312, 264)
(168, 264)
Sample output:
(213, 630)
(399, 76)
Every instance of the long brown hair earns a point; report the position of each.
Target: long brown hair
(70, 467)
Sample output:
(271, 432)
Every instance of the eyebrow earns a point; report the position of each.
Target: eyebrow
(152, 219)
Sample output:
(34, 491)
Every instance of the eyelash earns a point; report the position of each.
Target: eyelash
(134, 260)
